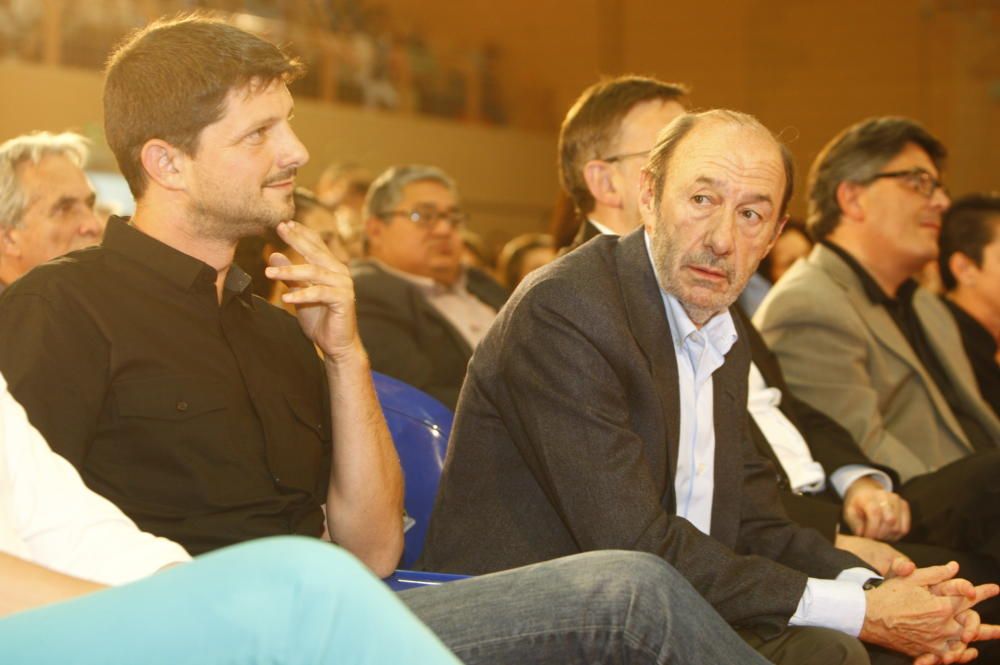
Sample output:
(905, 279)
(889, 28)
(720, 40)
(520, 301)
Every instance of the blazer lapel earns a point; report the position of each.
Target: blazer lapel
(648, 323)
(729, 394)
(887, 332)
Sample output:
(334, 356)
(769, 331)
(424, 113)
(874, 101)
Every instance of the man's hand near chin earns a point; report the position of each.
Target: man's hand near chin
(927, 613)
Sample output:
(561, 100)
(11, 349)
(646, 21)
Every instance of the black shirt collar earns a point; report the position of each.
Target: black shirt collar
(876, 295)
(183, 270)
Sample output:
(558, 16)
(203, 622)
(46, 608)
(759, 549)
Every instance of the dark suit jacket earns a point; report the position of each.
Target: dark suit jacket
(565, 441)
(407, 338)
(830, 444)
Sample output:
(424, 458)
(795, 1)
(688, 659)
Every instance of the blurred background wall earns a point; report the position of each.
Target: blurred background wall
(479, 87)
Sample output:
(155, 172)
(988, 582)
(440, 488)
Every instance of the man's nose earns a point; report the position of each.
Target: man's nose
(91, 224)
(719, 235)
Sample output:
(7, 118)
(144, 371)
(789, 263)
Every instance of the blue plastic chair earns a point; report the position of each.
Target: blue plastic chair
(419, 425)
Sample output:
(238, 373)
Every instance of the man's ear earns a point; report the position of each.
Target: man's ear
(600, 179)
(10, 241)
(373, 230)
(647, 195)
(164, 164)
(849, 200)
(778, 228)
(964, 269)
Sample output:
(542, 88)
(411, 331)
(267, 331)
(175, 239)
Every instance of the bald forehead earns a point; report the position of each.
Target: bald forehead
(733, 148)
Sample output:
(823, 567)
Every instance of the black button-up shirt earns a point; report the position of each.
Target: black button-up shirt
(982, 350)
(207, 423)
(903, 314)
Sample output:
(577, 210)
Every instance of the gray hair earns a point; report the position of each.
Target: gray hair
(387, 189)
(855, 155)
(32, 148)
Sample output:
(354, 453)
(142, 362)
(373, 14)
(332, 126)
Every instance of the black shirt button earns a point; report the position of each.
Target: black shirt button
(182, 406)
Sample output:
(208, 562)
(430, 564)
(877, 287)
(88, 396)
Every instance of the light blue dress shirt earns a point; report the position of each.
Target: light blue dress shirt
(838, 604)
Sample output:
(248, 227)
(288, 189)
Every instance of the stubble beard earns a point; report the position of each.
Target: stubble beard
(232, 220)
(668, 265)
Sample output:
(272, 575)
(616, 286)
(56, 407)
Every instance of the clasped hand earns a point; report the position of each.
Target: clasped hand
(927, 613)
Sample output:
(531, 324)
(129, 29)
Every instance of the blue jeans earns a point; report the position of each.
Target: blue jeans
(280, 600)
(598, 607)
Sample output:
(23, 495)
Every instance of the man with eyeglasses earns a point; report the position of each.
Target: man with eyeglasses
(603, 143)
(420, 312)
(858, 338)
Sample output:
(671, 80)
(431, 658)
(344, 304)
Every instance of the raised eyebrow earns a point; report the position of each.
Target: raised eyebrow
(758, 198)
(706, 180)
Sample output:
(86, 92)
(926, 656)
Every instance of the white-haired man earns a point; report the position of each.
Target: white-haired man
(46, 201)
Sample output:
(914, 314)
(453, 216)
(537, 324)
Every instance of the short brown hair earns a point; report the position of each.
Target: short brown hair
(967, 227)
(681, 126)
(855, 155)
(170, 80)
(594, 122)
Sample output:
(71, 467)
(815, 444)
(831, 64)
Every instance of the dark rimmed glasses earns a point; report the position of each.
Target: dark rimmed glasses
(918, 179)
(426, 218)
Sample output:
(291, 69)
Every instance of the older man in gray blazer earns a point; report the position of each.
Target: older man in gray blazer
(858, 339)
(606, 408)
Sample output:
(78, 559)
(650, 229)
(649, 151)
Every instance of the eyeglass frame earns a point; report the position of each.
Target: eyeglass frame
(455, 218)
(915, 177)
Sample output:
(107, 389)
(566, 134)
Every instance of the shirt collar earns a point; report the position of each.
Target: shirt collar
(426, 284)
(871, 288)
(719, 331)
(601, 227)
(183, 270)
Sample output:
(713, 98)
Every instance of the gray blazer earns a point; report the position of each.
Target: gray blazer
(566, 441)
(844, 355)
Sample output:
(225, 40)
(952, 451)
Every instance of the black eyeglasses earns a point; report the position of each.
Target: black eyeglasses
(918, 179)
(627, 155)
(426, 218)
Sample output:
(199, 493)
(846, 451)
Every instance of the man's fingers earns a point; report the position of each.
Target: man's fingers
(955, 587)
(970, 624)
(309, 244)
(932, 575)
(855, 518)
(926, 659)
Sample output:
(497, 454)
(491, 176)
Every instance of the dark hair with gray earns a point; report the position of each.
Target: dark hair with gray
(674, 133)
(32, 148)
(386, 191)
(855, 155)
(170, 80)
(967, 227)
(594, 122)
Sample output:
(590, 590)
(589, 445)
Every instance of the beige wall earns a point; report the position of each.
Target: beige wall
(506, 176)
(806, 69)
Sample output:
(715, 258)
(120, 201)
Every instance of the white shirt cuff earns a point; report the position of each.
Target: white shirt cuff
(837, 604)
(845, 476)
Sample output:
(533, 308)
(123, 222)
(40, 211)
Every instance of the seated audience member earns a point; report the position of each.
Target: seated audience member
(970, 272)
(604, 140)
(207, 415)
(858, 340)
(46, 201)
(522, 255)
(59, 541)
(420, 312)
(792, 245)
(827, 483)
(606, 408)
(342, 188)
